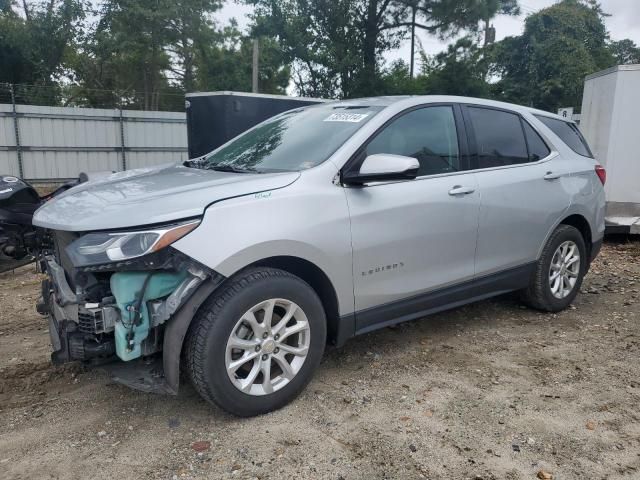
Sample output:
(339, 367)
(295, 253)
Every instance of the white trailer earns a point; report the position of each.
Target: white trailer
(610, 121)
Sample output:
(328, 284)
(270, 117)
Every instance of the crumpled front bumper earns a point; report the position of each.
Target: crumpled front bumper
(60, 304)
(67, 314)
(59, 318)
(57, 338)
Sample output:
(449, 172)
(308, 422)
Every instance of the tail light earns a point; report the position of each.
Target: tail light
(602, 174)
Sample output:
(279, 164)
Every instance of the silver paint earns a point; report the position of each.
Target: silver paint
(443, 229)
(387, 163)
(149, 196)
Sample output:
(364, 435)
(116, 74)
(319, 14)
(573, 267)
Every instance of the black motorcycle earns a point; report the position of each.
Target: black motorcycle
(20, 241)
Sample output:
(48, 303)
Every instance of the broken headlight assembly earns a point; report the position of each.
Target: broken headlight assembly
(108, 247)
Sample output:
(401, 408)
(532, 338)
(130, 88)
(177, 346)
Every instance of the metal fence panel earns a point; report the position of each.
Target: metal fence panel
(75, 128)
(57, 143)
(163, 134)
(8, 159)
(50, 165)
(7, 135)
(9, 163)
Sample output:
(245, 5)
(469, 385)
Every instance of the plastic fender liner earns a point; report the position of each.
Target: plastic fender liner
(176, 330)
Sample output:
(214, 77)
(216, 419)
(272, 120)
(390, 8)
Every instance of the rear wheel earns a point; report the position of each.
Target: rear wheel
(559, 271)
(254, 346)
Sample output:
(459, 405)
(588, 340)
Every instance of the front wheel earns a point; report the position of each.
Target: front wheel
(559, 271)
(254, 345)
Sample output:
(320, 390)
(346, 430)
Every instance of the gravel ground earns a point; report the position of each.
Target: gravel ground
(488, 391)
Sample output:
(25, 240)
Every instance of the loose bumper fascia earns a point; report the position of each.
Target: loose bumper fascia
(60, 305)
(158, 376)
(62, 290)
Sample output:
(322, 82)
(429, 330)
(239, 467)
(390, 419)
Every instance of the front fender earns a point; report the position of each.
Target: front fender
(304, 220)
(272, 248)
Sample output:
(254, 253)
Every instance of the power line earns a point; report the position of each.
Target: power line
(527, 8)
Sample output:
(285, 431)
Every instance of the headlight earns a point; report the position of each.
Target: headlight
(107, 247)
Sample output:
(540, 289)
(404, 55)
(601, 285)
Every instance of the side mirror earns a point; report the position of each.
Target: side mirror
(383, 167)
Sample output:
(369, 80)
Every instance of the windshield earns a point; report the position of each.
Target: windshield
(292, 141)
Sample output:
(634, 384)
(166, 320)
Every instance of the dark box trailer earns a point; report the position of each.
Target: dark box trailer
(213, 118)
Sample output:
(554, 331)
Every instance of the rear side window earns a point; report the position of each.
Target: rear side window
(499, 138)
(537, 148)
(569, 134)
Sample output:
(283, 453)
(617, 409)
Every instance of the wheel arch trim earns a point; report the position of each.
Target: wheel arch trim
(176, 331)
(289, 253)
(321, 283)
(574, 217)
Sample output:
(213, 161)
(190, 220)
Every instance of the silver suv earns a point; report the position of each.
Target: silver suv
(317, 225)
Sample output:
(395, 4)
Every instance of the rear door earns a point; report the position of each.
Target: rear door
(523, 185)
(415, 236)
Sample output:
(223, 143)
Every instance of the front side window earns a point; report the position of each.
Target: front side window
(292, 141)
(568, 133)
(499, 138)
(427, 134)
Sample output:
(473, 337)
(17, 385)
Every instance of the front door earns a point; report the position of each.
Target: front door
(415, 237)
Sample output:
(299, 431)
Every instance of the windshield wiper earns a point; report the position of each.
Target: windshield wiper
(229, 168)
(196, 163)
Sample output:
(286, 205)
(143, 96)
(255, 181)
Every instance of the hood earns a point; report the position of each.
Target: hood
(149, 196)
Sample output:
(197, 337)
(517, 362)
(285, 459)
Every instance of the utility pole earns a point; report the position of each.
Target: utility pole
(489, 33)
(254, 71)
(413, 39)
(16, 130)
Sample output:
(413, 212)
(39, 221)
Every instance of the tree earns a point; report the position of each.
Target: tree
(460, 70)
(545, 66)
(625, 52)
(396, 80)
(33, 45)
(321, 40)
(15, 62)
(123, 58)
(336, 45)
(137, 34)
(449, 17)
(225, 63)
(190, 28)
(146, 54)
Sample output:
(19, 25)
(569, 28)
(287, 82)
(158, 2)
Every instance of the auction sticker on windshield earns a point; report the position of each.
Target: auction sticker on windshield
(347, 117)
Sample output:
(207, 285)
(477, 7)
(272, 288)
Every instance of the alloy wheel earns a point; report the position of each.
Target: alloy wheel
(564, 269)
(267, 347)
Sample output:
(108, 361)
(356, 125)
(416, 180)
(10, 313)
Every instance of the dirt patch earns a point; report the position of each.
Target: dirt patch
(488, 391)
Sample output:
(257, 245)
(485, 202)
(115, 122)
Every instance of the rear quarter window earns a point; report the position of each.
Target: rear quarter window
(537, 148)
(569, 134)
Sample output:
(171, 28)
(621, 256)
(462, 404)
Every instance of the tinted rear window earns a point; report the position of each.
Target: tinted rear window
(569, 134)
(499, 137)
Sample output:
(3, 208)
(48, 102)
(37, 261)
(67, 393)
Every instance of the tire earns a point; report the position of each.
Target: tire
(540, 294)
(236, 315)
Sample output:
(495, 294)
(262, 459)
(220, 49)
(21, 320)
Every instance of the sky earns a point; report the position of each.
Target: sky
(624, 22)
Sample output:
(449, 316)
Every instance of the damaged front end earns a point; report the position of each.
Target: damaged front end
(123, 300)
